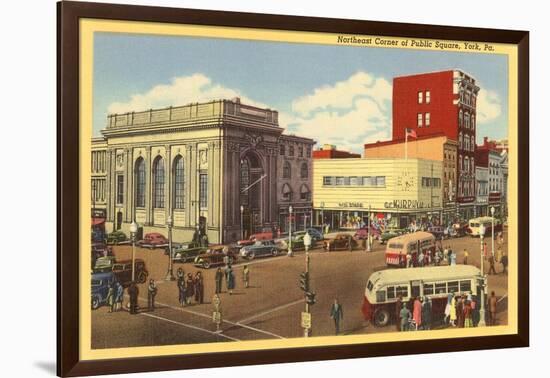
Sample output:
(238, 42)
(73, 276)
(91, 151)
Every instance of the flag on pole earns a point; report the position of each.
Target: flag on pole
(410, 132)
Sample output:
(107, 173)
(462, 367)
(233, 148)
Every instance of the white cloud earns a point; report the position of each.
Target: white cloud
(342, 94)
(347, 113)
(180, 91)
(488, 106)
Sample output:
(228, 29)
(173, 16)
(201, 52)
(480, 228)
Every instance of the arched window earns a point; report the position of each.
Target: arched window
(139, 173)
(305, 193)
(287, 193)
(286, 170)
(460, 120)
(179, 183)
(158, 183)
(304, 171)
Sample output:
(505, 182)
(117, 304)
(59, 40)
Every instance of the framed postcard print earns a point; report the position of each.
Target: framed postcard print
(247, 189)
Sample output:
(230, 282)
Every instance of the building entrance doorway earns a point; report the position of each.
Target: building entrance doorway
(250, 196)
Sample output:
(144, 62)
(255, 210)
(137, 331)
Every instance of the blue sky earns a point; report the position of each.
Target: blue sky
(334, 94)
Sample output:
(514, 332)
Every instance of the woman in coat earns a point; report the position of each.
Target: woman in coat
(199, 288)
(468, 323)
(230, 279)
(119, 294)
(417, 312)
(189, 288)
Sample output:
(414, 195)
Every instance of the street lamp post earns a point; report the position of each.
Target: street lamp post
(307, 244)
(170, 272)
(289, 253)
(242, 222)
(133, 235)
(368, 229)
(493, 231)
(482, 299)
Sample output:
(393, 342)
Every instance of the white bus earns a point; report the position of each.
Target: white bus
(436, 282)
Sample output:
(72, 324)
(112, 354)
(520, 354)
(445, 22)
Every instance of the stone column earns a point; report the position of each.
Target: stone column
(148, 187)
(128, 192)
(168, 195)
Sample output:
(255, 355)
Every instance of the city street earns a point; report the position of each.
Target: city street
(270, 307)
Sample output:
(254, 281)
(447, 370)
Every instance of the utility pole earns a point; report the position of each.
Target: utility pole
(305, 286)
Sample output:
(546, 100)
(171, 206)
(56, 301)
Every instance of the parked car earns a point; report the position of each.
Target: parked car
(297, 243)
(153, 240)
(340, 241)
(438, 232)
(391, 233)
(123, 271)
(267, 235)
(100, 288)
(186, 252)
(104, 264)
(259, 249)
(215, 256)
(362, 233)
(315, 234)
(116, 237)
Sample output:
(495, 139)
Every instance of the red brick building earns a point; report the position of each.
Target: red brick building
(329, 151)
(441, 102)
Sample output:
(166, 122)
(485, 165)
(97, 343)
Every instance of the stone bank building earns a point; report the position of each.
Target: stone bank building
(222, 165)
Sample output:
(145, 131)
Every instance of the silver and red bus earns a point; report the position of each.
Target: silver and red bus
(399, 247)
(436, 282)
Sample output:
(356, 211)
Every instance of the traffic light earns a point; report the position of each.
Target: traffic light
(304, 281)
(310, 298)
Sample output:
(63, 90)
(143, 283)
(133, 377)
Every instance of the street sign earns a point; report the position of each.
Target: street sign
(306, 320)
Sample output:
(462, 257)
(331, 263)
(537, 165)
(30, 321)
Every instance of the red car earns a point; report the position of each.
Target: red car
(153, 240)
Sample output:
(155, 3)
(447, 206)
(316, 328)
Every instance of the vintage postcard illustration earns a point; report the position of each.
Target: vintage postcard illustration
(252, 189)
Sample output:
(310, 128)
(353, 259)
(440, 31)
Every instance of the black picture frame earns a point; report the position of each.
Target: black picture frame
(69, 14)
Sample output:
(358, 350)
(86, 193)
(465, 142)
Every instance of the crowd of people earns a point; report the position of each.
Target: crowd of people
(461, 311)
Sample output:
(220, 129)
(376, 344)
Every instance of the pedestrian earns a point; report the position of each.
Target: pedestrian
(437, 258)
(452, 313)
(199, 288)
(151, 294)
(417, 312)
(474, 303)
(426, 313)
(453, 258)
(404, 316)
(446, 255)
(460, 311)
(499, 255)
(409, 260)
(421, 259)
(219, 280)
(111, 300)
(398, 306)
(337, 314)
(181, 290)
(468, 323)
(493, 309)
(189, 288)
(229, 279)
(492, 265)
(133, 292)
(119, 296)
(246, 276)
(180, 274)
(466, 254)
(504, 262)
(447, 318)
